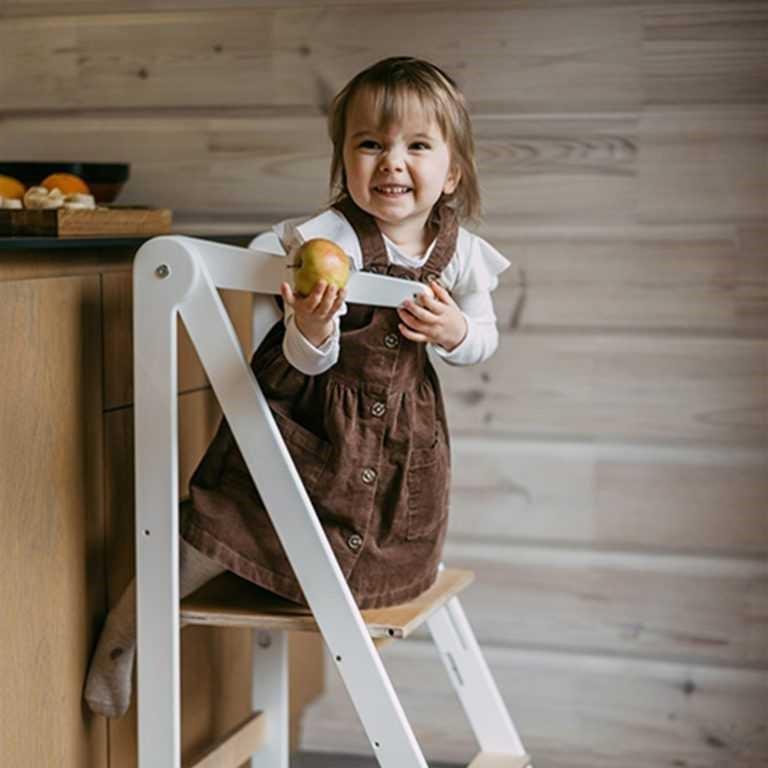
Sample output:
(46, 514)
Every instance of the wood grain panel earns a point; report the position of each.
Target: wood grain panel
(292, 56)
(610, 496)
(52, 587)
(572, 710)
(703, 164)
(697, 609)
(118, 340)
(710, 53)
(616, 386)
(675, 166)
(559, 169)
(24, 8)
(555, 169)
(712, 279)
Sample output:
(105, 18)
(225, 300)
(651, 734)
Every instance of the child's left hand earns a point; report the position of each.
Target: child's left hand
(433, 318)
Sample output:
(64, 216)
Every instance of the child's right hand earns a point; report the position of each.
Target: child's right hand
(313, 314)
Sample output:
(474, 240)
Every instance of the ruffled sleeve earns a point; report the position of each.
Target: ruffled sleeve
(476, 266)
(329, 224)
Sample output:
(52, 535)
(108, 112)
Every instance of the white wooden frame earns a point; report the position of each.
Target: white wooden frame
(178, 275)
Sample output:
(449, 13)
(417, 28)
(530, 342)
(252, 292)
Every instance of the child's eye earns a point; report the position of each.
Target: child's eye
(369, 144)
(418, 145)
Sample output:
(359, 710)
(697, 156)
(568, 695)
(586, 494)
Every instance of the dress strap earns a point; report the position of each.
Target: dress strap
(372, 244)
(445, 221)
(374, 250)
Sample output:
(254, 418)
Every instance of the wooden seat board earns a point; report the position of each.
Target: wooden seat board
(500, 760)
(230, 601)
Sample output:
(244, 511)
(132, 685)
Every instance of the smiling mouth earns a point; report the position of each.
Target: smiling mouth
(392, 190)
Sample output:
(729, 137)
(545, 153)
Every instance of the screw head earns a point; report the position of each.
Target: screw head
(163, 271)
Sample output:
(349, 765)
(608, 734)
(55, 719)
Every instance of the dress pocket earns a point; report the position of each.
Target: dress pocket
(427, 481)
(309, 452)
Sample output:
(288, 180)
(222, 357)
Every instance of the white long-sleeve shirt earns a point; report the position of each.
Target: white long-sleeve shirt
(470, 276)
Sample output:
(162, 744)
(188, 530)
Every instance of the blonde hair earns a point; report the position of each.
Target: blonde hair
(390, 81)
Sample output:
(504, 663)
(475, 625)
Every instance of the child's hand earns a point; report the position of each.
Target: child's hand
(313, 314)
(434, 318)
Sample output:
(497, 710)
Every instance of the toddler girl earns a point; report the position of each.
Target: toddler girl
(351, 387)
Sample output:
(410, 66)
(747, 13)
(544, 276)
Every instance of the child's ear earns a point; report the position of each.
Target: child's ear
(452, 181)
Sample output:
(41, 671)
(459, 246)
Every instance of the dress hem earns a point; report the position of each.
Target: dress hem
(286, 586)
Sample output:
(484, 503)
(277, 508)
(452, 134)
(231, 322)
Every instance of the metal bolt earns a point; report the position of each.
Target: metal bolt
(163, 271)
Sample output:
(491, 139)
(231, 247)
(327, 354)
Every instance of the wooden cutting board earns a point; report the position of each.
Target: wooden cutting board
(117, 220)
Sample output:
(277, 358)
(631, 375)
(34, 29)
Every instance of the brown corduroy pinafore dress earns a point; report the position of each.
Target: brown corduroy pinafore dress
(369, 439)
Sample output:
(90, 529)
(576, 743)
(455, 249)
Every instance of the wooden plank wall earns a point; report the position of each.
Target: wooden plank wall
(610, 484)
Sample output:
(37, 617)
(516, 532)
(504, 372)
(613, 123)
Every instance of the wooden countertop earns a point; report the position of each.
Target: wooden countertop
(36, 257)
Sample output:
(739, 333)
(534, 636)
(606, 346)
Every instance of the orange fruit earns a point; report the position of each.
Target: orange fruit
(68, 183)
(11, 188)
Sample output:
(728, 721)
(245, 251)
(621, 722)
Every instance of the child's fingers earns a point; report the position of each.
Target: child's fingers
(328, 299)
(312, 300)
(340, 297)
(424, 314)
(413, 322)
(410, 334)
(287, 293)
(441, 293)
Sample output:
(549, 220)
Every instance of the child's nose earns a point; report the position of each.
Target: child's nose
(392, 162)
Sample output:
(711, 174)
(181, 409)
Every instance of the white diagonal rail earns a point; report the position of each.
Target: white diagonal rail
(179, 275)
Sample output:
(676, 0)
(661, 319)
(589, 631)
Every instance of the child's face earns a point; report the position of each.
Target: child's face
(396, 174)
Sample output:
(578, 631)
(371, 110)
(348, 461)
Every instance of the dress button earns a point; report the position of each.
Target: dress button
(391, 340)
(368, 475)
(355, 541)
(378, 409)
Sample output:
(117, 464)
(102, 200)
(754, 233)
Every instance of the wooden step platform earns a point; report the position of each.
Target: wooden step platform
(499, 760)
(229, 601)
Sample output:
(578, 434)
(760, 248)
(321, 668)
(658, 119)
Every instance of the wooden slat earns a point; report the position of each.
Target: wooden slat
(572, 710)
(290, 56)
(695, 608)
(610, 496)
(616, 387)
(236, 746)
(703, 164)
(499, 760)
(580, 169)
(714, 54)
(684, 279)
(32, 8)
(229, 601)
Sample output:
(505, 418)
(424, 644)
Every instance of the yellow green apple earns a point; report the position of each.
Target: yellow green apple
(319, 259)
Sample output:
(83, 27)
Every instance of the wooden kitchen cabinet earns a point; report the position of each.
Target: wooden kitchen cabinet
(66, 506)
(52, 589)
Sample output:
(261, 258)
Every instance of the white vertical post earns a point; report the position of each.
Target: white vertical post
(162, 275)
(269, 694)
